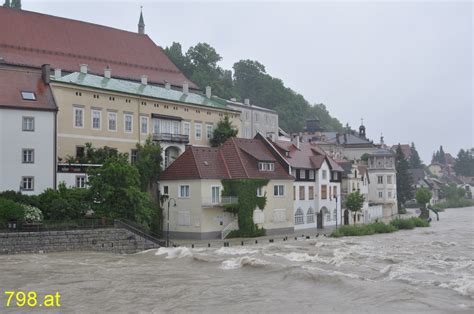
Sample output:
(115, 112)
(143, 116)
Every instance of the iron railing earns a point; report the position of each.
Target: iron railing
(140, 231)
(224, 200)
(57, 225)
(169, 137)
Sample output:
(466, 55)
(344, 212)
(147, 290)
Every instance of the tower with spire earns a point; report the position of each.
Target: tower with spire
(362, 128)
(141, 23)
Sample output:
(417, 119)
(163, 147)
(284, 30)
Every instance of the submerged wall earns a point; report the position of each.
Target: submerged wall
(115, 240)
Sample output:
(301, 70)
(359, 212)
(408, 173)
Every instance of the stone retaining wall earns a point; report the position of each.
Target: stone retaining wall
(115, 240)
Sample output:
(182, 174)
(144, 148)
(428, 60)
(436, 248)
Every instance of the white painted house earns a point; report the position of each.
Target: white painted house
(27, 130)
(317, 185)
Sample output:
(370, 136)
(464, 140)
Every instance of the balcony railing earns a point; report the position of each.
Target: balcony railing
(224, 200)
(169, 137)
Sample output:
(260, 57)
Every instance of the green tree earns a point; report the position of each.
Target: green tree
(415, 161)
(149, 163)
(7, 3)
(442, 157)
(175, 53)
(405, 189)
(115, 189)
(365, 157)
(423, 196)
(223, 132)
(464, 164)
(354, 202)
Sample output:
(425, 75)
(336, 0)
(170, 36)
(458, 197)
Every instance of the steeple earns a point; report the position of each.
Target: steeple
(141, 23)
(362, 128)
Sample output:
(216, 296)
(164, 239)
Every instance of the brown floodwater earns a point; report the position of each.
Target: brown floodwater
(422, 270)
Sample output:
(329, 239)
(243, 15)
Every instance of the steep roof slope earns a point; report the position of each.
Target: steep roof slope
(33, 39)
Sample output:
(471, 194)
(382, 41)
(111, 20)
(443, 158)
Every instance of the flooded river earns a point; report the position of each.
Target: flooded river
(422, 270)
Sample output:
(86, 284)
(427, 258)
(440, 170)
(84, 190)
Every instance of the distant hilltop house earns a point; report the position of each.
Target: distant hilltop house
(348, 144)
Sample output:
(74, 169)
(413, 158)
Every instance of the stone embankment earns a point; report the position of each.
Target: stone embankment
(115, 240)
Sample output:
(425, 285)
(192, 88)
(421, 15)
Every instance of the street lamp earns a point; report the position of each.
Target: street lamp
(168, 218)
(335, 197)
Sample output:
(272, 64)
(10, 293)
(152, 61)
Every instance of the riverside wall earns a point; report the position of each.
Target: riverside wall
(114, 240)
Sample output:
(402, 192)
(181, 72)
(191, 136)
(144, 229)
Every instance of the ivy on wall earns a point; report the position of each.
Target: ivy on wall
(246, 191)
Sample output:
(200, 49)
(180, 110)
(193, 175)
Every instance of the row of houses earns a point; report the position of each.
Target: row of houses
(61, 87)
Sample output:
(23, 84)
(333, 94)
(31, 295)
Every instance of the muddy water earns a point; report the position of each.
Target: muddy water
(427, 269)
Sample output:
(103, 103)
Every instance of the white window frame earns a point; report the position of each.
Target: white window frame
(197, 126)
(209, 131)
(156, 126)
(260, 191)
(25, 124)
(166, 190)
(216, 199)
(30, 181)
(74, 119)
(144, 124)
(184, 218)
(299, 216)
(81, 181)
(93, 111)
(180, 191)
(389, 179)
(30, 158)
(266, 166)
(379, 179)
(125, 116)
(187, 128)
(311, 174)
(310, 215)
(324, 174)
(111, 114)
(278, 190)
(380, 194)
(302, 174)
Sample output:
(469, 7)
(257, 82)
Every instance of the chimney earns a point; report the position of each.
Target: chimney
(107, 72)
(185, 88)
(167, 85)
(296, 139)
(144, 80)
(208, 92)
(45, 73)
(83, 68)
(247, 102)
(57, 73)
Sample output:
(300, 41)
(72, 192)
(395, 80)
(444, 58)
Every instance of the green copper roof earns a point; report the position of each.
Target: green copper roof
(137, 89)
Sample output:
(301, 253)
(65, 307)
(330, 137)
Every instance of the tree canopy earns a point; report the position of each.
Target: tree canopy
(415, 161)
(223, 131)
(405, 189)
(148, 163)
(464, 164)
(423, 196)
(249, 79)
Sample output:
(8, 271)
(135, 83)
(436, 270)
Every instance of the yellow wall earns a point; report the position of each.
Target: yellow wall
(67, 98)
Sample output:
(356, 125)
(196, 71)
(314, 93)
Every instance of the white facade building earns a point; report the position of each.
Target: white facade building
(27, 131)
(383, 181)
(255, 119)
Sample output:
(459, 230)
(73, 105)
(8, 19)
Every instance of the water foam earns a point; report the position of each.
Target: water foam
(174, 252)
(235, 251)
(239, 262)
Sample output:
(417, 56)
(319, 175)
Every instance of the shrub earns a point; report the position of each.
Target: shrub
(257, 232)
(10, 211)
(32, 214)
(402, 211)
(17, 197)
(420, 222)
(403, 223)
(380, 227)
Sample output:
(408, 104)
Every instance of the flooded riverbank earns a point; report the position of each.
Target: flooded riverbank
(426, 269)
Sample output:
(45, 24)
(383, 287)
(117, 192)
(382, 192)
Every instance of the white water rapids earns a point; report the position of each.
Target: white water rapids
(422, 270)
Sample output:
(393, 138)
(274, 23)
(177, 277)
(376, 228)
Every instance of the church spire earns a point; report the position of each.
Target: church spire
(141, 23)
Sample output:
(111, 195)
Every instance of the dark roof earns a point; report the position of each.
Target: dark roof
(416, 174)
(34, 39)
(406, 150)
(347, 166)
(237, 158)
(14, 80)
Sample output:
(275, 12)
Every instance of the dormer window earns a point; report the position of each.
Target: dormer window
(266, 166)
(28, 95)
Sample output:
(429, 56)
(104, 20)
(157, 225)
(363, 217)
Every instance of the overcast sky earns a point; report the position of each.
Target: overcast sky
(406, 68)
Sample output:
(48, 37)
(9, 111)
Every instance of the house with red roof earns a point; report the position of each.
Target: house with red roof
(193, 183)
(27, 130)
(317, 185)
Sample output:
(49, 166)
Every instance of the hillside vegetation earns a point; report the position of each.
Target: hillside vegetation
(249, 79)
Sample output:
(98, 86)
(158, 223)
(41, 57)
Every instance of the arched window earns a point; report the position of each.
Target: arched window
(334, 214)
(310, 216)
(299, 217)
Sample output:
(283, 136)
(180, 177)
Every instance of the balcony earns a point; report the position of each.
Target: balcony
(169, 137)
(224, 200)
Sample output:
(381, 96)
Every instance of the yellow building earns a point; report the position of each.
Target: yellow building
(118, 113)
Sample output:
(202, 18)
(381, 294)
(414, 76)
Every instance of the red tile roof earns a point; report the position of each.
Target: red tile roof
(236, 159)
(33, 39)
(14, 80)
